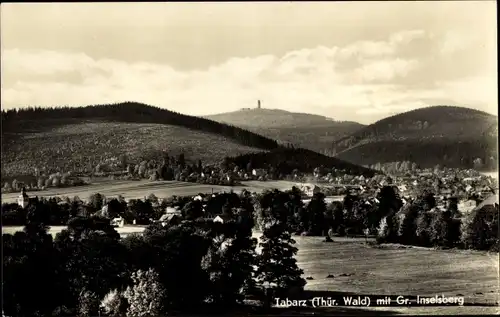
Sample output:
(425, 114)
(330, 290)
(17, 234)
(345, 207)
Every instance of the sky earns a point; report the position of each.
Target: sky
(357, 61)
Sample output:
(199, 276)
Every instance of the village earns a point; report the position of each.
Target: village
(469, 187)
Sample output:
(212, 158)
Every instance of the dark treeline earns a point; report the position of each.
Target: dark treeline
(28, 118)
(421, 223)
(286, 160)
(191, 266)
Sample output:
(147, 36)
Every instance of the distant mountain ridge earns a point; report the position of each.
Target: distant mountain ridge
(275, 118)
(305, 130)
(444, 135)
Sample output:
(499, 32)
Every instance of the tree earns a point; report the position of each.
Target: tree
(440, 229)
(40, 182)
(146, 296)
(480, 229)
(229, 261)
(116, 208)
(15, 184)
(26, 273)
(123, 161)
(92, 259)
(388, 229)
(64, 180)
(348, 205)
(96, 201)
(422, 232)
(317, 209)
(296, 210)
(426, 200)
(141, 171)
(277, 267)
(130, 170)
(453, 207)
(478, 163)
(153, 199)
(7, 186)
(176, 253)
(140, 210)
(88, 303)
(408, 228)
(338, 218)
(390, 202)
(181, 161)
(193, 210)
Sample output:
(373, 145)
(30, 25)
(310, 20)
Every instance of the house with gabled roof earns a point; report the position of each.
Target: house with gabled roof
(490, 202)
(222, 219)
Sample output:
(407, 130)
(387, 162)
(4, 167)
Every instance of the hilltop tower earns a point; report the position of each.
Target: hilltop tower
(258, 104)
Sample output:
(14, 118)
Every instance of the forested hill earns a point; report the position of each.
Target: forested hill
(80, 140)
(36, 118)
(444, 135)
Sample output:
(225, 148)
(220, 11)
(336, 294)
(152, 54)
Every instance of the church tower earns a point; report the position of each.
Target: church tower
(23, 199)
(258, 104)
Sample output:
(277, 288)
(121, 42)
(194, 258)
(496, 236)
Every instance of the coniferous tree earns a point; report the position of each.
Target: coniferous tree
(277, 266)
(317, 210)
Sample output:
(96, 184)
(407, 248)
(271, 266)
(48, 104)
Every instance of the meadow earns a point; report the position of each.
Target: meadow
(139, 189)
(360, 268)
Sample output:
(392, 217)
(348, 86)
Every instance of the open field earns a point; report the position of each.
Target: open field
(143, 188)
(124, 231)
(401, 271)
(392, 271)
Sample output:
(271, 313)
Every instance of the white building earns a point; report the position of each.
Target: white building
(118, 222)
(258, 172)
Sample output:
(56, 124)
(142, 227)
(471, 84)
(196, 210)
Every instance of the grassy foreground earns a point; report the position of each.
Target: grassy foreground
(360, 269)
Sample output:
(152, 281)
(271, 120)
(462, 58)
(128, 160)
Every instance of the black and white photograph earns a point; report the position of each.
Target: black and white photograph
(289, 158)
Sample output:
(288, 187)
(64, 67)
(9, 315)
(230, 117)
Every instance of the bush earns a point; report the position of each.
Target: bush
(114, 303)
(145, 297)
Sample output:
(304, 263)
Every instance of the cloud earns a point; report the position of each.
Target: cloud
(362, 81)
